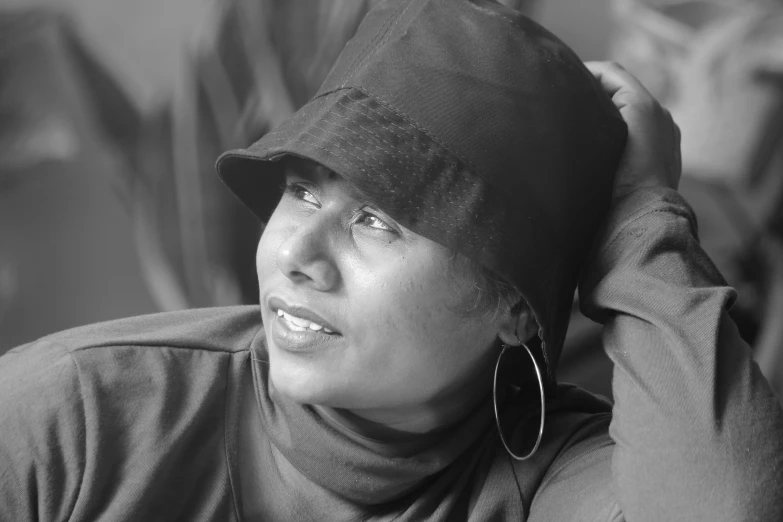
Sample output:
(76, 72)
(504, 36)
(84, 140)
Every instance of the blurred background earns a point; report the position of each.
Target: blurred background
(112, 113)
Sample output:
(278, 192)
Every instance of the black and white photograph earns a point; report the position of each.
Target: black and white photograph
(391, 260)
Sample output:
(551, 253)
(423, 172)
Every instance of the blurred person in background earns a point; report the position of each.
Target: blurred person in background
(442, 195)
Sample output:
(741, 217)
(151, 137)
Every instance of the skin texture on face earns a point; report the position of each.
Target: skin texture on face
(400, 354)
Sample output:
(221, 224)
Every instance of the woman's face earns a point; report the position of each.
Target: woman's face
(361, 313)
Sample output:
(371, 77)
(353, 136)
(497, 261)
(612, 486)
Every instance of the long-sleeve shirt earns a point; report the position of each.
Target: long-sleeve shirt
(140, 419)
(696, 432)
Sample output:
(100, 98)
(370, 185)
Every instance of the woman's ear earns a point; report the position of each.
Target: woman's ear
(518, 326)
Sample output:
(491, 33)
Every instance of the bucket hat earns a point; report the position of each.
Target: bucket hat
(477, 128)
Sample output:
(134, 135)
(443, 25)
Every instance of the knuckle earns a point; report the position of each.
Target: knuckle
(649, 105)
(660, 111)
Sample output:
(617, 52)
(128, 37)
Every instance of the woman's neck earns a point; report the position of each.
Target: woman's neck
(413, 427)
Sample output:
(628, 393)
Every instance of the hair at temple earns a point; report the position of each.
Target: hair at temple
(490, 292)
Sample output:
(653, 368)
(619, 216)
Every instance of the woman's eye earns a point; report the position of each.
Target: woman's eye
(373, 221)
(299, 191)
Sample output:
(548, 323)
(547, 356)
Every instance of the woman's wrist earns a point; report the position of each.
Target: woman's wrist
(632, 205)
(646, 218)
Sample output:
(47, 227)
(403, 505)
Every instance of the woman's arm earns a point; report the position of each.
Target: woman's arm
(698, 433)
(768, 348)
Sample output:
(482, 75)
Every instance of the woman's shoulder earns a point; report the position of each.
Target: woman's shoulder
(577, 425)
(144, 400)
(578, 450)
(129, 373)
(71, 361)
(574, 456)
(157, 347)
(223, 329)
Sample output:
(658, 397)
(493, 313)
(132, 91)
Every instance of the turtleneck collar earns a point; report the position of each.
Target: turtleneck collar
(331, 450)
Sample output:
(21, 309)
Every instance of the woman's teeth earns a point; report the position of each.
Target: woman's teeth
(300, 325)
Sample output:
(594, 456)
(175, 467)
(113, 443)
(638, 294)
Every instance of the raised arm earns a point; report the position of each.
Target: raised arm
(698, 433)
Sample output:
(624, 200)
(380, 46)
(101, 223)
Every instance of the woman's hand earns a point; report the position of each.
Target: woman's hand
(652, 153)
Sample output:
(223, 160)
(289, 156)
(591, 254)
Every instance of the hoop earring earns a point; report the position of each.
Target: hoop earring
(495, 404)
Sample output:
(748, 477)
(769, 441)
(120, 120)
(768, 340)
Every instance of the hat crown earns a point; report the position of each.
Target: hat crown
(489, 84)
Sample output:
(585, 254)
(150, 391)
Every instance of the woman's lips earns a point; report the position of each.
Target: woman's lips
(301, 316)
(299, 324)
(297, 328)
(292, 338)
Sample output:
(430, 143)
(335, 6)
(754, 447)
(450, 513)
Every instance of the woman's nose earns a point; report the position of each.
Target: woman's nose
(305, 257)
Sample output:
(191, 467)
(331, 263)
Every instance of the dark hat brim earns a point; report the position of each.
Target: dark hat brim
(255, 175)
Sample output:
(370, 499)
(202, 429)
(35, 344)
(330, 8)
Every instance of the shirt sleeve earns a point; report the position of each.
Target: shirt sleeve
(697, 433)
(42, 441)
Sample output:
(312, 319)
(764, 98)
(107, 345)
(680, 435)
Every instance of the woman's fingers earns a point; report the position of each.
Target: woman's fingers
(618, 83)
(652, 153)
(615, 77)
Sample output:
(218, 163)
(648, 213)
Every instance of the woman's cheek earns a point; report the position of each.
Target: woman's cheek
(266, 254)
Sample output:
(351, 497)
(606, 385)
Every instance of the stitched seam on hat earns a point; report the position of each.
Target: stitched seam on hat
(272, 137)
(381, 33)
(439, 218)
(369, 107)
(362, 56)
(330, 92)
(421, 129)
(373, 133)
(500, 16)
(472, 235)
(277, 130)
(350, 68)
(386, 36)
(416, 168)
(404, 135)
(509, 21)
(408, 161)
(407, 135)
(364, 162)
(453, 157)
(440, 221)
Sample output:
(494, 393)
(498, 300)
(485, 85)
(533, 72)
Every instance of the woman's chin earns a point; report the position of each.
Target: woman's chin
(302, 386)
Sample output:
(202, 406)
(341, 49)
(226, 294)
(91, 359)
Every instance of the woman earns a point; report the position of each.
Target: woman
(441, 196)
